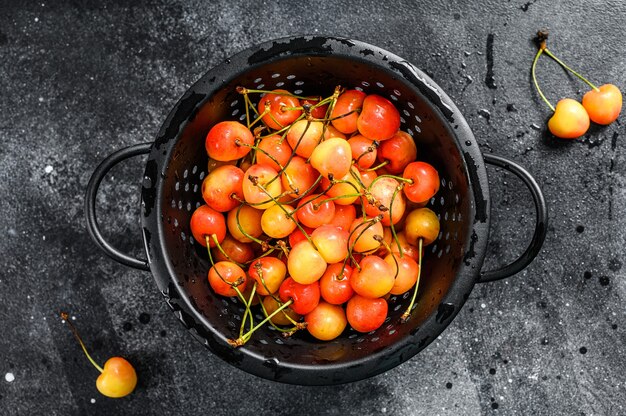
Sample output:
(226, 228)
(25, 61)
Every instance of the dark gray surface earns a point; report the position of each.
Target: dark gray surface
(80, 80)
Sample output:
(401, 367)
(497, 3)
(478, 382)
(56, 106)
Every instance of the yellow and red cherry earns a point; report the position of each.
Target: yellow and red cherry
(345, 113)
(304, 297)
(304, 136)
(374, 277)
(260, 186)
(224, 276)
(299, 176)
(331, 132)
(570, 119)
(379, 118)
(273, 149)
(331, 242)
(117, 378)
(305, 264)
(277, 221)
(364, 314)
(364, 150)
(332, 158)
(233, 250)
(603, 104)
(317, 111)
(346, 190)
(206, 222)
(326, 322)
(315, 210)
(244, 222)
(424, 182)
(405, 269)
(386, 199)
(269, 273)
(228, 140)
(398, 151)
(335, 285)
(364, 234)
(282, 109)
(344, 216)
(221, 186)
(421, 224)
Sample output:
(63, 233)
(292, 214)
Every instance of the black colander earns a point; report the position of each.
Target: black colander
(177, 164)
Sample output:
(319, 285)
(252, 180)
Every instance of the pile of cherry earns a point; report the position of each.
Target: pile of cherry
(315, 211)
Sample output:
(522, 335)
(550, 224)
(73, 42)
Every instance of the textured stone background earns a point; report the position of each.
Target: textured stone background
(79, 80)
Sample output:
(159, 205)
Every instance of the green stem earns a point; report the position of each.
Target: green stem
(551, 55)
(241, 340)
(539, 52)
(407, 314)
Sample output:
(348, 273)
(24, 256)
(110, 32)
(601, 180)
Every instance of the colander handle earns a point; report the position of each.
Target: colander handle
(541, 225)
(90, 204)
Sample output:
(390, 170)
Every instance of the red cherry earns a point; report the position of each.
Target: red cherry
(379, 118)
(219, 186)
(225, 141)
(347, 103)
(279, 116)
(224, 275)
(305, 297)
(205, 221)
(335, 284)
(425, 181)
(365, 315)
(400, 150)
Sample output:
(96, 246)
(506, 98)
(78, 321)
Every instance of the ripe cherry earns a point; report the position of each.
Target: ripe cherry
(346, 190)
(344, 216)
(205, 222)
(260, 186)
(364, 150)
(315, 210)
(118, 377)
(332, 157)
(226, 141)
(280, 113)
(570, 119)
(326, 321)
(405, 269)
(421, 223)
(331, 242)
(385, 198)
(379, 118)
(269, 273)
(224, 276)
(345, 113)
(335, 285)
(305, 297)
(305, 264)
(220, 185)
(297, 235)
(603, 104)
(398, 151)
(244, 222)
(374, 277)
(276, 147)
(425, 181)
(364, 235)
(319, 111)
(299, 176)
(304, 136)
(276, 223)
(233, 250)
(364, 314)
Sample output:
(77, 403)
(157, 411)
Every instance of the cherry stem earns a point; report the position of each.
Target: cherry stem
(247, 311)
(551, 55)
(243, 339)
(407, 314)
(393, 228)
(539, 52)
(385, 163)
(285, 330)
(65, 317)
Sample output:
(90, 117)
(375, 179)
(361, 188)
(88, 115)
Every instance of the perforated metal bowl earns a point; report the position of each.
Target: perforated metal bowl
(315, 65)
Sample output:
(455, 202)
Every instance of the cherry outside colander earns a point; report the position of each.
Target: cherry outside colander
(177, 164)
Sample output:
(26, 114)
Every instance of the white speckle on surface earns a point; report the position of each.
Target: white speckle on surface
(9, 377)
(510, 380)
(93, 401)
(73, 318)
(41, 99)
(482, 305)
(44, 318)
(32, 317)
(43, 237)
(384, 410)
(36, 19)
(27, 296)
(48, 168)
